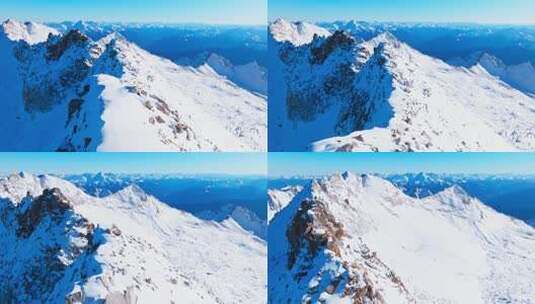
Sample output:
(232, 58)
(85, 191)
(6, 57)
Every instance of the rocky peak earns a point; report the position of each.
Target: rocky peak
(313, 228)
(338, 40)
(323, 259)
(55, 49)
(52, 203)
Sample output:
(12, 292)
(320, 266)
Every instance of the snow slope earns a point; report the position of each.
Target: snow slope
(296, 33)
(340, 94)
(250, 76)
(520, 76)
(70, 93)
(244, 217)
(63, 245)
(280, 198)
(358, 239)
(30, 32)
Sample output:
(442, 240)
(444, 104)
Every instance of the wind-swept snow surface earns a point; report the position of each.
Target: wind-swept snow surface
(69, 93)
(62, 245)
(359, 239)
(336, 93)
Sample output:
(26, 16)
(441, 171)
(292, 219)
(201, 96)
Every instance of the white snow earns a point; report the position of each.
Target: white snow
(280, 198)
(30, 32)
(250, 76)
(297, 33)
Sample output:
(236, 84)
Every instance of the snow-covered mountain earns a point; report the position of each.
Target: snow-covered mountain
(244, 217)
(338, 93)
(359, 239)
(62, 245)
(241, 198)
(182, 42)
(250, 76)
(70, 93)
(278, 199)
(513, 44)
(296, 33)
(520, 76)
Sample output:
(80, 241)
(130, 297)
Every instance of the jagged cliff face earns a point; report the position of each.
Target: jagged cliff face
(64, 240)
(335, 93)
(64, 246)
(86, 95)
(358, 239)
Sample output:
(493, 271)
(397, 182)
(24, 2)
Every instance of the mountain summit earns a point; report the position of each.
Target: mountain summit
(67, 92)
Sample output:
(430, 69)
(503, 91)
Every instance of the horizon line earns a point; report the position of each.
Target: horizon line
(271, 20)
(396, 173)
(137, 22)
(5, 174)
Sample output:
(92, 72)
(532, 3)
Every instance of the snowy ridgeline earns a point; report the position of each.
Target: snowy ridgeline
(359, 239)
(334, 91)
(64, 91)
(63, 245)
(508, 194)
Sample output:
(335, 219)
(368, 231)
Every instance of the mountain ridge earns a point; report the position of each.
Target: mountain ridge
(418, 248)
(415, 99)
(121, 248)
(85, 87)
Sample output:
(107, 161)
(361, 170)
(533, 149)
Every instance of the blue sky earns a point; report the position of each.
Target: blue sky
(290, 164)
(177, 11)
(187, 163)
(478, 11)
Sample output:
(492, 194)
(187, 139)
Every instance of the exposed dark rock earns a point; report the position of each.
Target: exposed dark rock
(115, 231)
(84, 91)
(52, 203)
(304, 105)
(159, 119)
(87, 142)
(303, 237)
(74, 107)
(40, 97)
(73, 37)
(338, 39)
(66, 147)
(75, 298)
(75, 73)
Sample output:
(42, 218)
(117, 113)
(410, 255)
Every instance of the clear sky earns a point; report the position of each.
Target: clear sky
(186, 163)
(473, 11)
(290, 164)
(173, 11)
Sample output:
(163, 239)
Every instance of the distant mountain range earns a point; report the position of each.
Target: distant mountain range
(176, 42)
(508, 194)
(198, 194)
